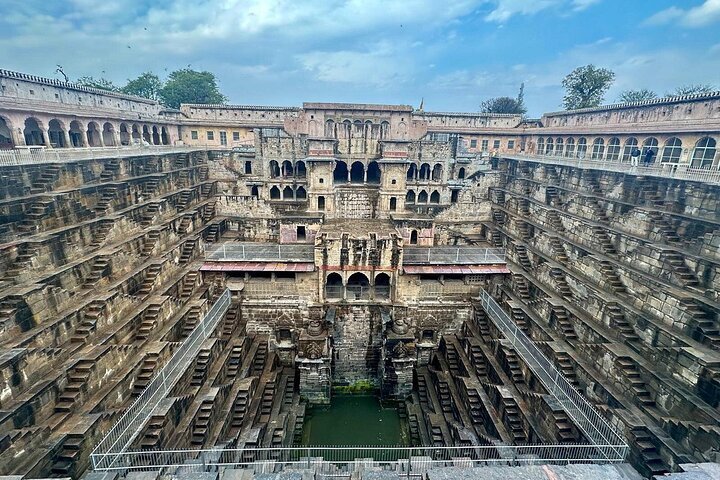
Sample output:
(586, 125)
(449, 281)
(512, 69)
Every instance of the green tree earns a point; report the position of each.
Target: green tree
(190, 86)
(693, 89)
(502, 105)
(585, 86)
(506, 104)
(147, 85)
(101, 83)
(637, 95)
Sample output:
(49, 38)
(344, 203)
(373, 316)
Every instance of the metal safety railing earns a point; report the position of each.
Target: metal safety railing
(118, 439)
(261, 252)
(453, 255)
(680, 171)
(38, 155)
(609, 441)
(341, 461)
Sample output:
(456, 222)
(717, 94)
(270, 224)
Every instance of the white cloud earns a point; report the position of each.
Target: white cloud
(705, 14)
(506, 9)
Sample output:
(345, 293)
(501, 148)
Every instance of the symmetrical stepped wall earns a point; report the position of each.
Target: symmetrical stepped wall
(622, 273)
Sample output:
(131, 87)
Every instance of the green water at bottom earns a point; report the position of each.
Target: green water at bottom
(353, 420)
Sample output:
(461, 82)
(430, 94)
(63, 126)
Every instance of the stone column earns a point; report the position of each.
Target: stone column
(17, 137)
(116, 138)
(84, 138)
(66, 139)
(46, 137)
(100, 136)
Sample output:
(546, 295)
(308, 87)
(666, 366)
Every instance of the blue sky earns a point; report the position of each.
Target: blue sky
(453, 54)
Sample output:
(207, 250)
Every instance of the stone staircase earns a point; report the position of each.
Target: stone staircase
(619, 323)
(192, 318)
(558, 249)
(99, 269)
(150, 318)
(147, 369)
(201, 424)
(607, 269)
(33, 215)
(597, 209)
(496, 238)
(23, 260)
(183, 200)
(680, 269)
(664, 228)
(522, 288)
(77, 379)
(101, 232)
(561, 285)
(602, 238)
(110, 171)
(555, 221)
(524, 230)
(48, 176)
(69, 454)
(88, 325)
(184, 226)
(512, 418)
(186, 253)
(149, 242)
(149, 214)
(234, 362)
(150, 188)
(202, 362)
(566, 367)
(512, 366)
(107, 195)
(151, 274)
(212, 234)
(499, 217)
(188, 285)
(651, 464)
(702, 324)
(518, 316)
(564, 325)
(523, 259)
(565, 432)
(630, 370)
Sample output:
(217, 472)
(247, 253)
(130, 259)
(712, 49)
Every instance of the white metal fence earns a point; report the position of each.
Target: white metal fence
(110, 449)
(609, 441)
(336, 461)
(261, 252)
(39, 155)
(453, 255)
(662, 170)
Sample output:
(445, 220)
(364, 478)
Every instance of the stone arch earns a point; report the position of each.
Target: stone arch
(164, 137)
(340, 173)
(437, 172)
(56, 133)
(358, 286)
(382, 285)
(598, 149)
(108, 134)
(77, 138)
(136, 134)
(631, 144)
(334, 287)
(613, 149)
(461, 173)
(570, 147)
(649, 150)
(287, 168)
(425, 171)
(274, 169)
(301, 193)
(422, 197)
(357, 172)
(125, 135)
(559, 147)
(146, 134)
(373, 172)
(549, 146)
(275, 193)
(255, 191)
(384, 130)
(33, 132)
(672, 150)
(412, 172)
(704, 153)
(6, 134)
(402, 130)
(321, 203)
(300, 169)
(435, 197)
(330, 129)
(541, 146)
(155, 135)
(581, 147)
(94, 135)
(393, 204)
(413, 237)
(288, 193)
(410, 197)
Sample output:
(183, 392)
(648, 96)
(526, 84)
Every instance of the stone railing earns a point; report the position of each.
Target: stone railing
(677, 171)
(40, 155)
